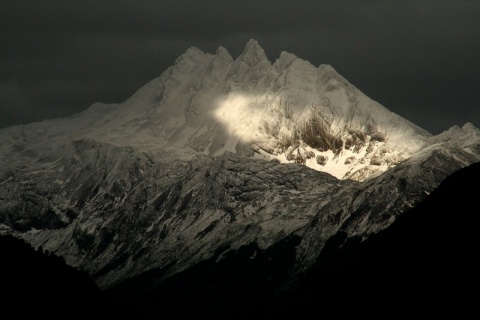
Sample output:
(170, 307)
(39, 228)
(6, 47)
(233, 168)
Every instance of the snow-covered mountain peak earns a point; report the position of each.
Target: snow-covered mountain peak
(466, 137)
(253, 54)
(326, 68)
(328, 73)
(470, 126)
(191, 57)
(220, 61)
(285, 60)
(290, 111)
(222, 53)
(190, 53)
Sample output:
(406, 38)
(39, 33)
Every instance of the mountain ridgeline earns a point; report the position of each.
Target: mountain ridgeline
(288, 110)
(241, 187)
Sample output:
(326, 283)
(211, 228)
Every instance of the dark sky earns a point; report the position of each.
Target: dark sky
(420, 59)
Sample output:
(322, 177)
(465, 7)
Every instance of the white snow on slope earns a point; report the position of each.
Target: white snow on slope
(211, 103)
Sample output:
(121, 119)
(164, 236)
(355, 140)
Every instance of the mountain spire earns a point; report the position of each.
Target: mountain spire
(253, 54)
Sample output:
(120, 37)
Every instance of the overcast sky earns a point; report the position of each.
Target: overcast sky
(420, 59)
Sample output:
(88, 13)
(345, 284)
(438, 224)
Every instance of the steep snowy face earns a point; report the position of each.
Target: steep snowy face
(288, 110)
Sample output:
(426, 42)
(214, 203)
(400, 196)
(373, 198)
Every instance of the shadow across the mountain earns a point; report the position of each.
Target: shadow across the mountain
(39, 284)
(424, 264)
(236, 286)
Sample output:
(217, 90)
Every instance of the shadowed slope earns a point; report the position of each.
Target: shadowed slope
(34, 283)
(424, 263)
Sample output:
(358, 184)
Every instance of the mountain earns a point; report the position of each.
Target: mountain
(223, 178)
(210, 103)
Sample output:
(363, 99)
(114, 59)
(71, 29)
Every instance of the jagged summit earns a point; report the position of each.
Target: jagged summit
(328, 72)
(222, 52)
(253, 52)
(290, 111)
(469, 126)
(285, 60)
(467, 137)
(252, 43)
